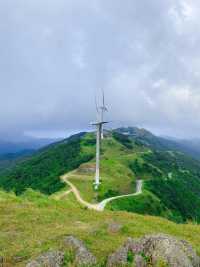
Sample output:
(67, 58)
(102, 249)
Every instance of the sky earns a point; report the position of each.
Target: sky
(56, 55)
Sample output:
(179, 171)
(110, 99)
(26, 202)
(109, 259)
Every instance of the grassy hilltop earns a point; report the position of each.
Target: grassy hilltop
(33, 220)
(33, 223)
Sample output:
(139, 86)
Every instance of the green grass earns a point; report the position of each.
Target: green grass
(42, 171)
(32, 224)
(116, 175)
(171, 179)
(146, 203)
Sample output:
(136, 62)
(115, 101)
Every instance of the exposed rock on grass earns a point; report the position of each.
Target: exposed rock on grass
(150, 251)
(82, 256)
(118, 258)
(49, 259)
(155, 250)
(114, 227)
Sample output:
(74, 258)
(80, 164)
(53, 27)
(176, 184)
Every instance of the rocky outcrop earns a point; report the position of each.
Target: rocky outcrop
(114, 227)
(49, 259)
(83, 257)
(153, 250)
(118, 258)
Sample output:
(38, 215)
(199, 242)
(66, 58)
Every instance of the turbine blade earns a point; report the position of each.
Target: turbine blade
(104, 105)
(97, 108)
(103, 96)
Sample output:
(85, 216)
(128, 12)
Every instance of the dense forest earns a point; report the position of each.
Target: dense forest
(41, 172)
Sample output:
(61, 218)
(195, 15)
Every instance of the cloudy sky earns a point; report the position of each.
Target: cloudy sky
(55, 55)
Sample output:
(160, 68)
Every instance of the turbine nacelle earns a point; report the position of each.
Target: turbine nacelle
(99, 123)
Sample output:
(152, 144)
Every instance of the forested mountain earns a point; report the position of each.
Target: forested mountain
(42, 170)
(171, 179)
(12, 153)
(190, 146)
(11, 159)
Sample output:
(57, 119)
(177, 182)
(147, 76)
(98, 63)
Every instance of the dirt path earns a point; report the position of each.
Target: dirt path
(139, 184)
(62, 194)
(99, 206)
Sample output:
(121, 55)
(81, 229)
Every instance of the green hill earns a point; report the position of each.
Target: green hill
(190, 147)
(33, 223)
(42, 170)
(171, 180)
(36, 220)
(11, 159)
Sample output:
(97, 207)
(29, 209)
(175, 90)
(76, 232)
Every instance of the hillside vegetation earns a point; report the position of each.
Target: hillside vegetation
(190, 147)
(42, 170)
(33, 223)
(9, 160)
(171, 183)
(171, 180)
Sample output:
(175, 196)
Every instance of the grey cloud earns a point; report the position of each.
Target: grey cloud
(55, 54)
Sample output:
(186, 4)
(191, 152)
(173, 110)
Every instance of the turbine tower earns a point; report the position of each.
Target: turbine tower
(99, 136)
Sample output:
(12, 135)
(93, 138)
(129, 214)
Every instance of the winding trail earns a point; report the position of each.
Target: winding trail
(103, 203)
(62, 195)
(99, 206)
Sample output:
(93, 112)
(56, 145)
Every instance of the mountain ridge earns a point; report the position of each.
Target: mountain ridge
(171, 178)
(189, 146)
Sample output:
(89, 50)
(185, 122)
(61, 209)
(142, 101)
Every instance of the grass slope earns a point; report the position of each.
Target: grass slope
(171, 182)
(33, 223)
(41, 172)
(9, 160)
(117, 178)
(171, 179)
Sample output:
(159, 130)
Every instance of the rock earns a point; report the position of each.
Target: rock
(139, 261)
(169, 250)
(155, 250)
(83, 257)
(118, 258)
(114, 227)
(49, 259)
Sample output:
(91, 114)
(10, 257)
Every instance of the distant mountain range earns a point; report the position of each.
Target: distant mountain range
(190, 147)
(30, 144)
(14, 152)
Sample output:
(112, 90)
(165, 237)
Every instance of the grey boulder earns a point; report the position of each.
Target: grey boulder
(154, 250)
(83, 257)
(49, 259)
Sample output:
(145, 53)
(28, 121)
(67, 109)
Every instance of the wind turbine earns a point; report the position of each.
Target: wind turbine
(99, 136)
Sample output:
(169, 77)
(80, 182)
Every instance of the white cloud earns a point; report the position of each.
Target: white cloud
(54, 54)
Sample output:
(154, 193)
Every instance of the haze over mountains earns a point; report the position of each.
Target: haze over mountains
(16, 146)
(12, 152)
(30, 144)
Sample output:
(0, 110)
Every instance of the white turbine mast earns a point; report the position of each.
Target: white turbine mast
(99, 136)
